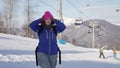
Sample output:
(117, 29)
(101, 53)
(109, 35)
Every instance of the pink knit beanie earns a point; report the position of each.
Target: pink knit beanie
(47, 15)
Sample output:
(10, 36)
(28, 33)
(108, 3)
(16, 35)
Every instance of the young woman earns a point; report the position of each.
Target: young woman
(47, 28)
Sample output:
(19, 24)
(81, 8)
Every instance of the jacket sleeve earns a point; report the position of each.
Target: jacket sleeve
(60, 26)
(35, 25)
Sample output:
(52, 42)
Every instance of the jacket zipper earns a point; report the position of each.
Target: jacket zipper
(49, 43)
(49, 37)
(47, 34)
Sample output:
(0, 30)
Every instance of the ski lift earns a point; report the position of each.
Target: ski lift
(89, 31)
(78, 21)
(87, 5)
(117, 10)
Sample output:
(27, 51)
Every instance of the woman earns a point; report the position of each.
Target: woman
(47, 28)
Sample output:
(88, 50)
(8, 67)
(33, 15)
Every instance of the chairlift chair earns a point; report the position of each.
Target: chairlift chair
(78, 22)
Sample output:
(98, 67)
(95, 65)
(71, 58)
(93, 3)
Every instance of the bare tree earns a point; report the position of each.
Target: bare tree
(29, 15)
(9, 15)
(28, 18)
(3, 15)
(26, 25)
(116, 44)
(1, 24)
(8, 12)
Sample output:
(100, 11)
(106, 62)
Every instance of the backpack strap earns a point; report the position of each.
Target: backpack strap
(36, 57)
(59, 55)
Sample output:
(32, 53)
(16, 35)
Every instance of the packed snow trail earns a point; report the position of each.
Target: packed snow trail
(18, 52)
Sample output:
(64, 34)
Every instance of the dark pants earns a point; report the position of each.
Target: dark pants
(101, 54)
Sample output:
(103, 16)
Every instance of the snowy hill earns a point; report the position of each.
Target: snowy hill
(18, 52)
(105, 34)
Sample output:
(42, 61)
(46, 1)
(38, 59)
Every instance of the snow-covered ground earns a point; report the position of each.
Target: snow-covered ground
(18, 52)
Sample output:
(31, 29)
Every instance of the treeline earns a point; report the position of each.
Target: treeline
(9, 17)
(10, 24)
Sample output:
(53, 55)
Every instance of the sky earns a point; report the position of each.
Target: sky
(90, 9)
(86, 9)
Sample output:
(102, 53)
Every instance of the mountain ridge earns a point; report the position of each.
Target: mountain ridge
(105, 34)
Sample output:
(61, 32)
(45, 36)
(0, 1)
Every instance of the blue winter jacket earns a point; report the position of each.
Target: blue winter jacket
(47, 39)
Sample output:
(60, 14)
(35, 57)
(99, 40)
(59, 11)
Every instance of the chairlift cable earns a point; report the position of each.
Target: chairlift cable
(48, 5)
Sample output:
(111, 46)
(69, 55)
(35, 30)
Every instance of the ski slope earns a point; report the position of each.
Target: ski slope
(18, 52)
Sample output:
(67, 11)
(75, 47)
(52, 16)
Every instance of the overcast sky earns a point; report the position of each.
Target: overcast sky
(89, 9)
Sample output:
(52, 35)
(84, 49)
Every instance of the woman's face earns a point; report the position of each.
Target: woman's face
(48, 21)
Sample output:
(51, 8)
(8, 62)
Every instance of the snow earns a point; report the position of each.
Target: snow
(18, 52)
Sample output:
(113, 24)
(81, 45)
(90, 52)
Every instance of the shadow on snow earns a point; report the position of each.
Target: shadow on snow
(65, 64)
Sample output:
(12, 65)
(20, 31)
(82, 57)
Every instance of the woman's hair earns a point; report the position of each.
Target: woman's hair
(43, 25)
(43, 21)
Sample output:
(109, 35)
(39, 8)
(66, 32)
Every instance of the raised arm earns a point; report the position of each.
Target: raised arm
(35, 25)
(60, 26)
